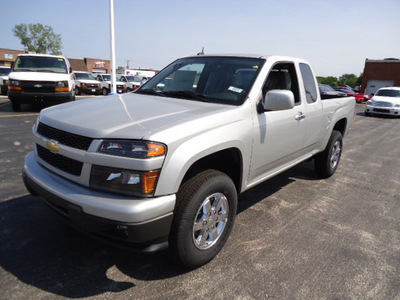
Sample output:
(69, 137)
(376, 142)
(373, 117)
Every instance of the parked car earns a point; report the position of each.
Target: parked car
(328, 92)
(360, 97)
(386, 101)
(40, 79)
(105, 81)
(85, 83)
(4, 71)
(132, 82)
(159, 168)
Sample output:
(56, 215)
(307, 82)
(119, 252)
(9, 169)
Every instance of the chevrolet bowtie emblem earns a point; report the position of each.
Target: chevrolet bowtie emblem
(38, 86)
(53, 147)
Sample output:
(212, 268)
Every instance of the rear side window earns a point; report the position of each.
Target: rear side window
(309, 83)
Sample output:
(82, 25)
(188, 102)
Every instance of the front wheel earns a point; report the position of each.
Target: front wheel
(105, 92)
(203, 218)
(15, 106)
(327, 161)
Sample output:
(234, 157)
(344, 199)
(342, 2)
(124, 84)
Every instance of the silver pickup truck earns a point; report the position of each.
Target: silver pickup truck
(163, 166)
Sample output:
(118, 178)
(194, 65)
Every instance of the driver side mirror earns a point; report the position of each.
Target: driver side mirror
(276, 100)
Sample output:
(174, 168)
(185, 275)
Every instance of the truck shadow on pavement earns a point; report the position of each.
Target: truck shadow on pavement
(42, 251)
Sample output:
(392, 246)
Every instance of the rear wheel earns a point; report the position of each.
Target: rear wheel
(203, 218)
(327, 161)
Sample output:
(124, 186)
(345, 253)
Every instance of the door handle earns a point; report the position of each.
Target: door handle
(300, 117)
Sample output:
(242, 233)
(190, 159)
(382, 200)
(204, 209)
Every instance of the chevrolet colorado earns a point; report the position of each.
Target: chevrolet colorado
(164, 166)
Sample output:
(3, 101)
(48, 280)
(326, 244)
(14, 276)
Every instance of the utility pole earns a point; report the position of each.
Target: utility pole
(113, 68)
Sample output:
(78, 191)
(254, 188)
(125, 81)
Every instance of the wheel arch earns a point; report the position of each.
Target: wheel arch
(228, 161)
(341, 126)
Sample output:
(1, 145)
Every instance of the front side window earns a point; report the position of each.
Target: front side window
(309, 83)
(225, 80)
(40, 64)
(283, 77)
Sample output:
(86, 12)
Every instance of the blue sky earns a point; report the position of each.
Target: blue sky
(335, 36)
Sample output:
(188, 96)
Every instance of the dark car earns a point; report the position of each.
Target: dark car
(328, 92)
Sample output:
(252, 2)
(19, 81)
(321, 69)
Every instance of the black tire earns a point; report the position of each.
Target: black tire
(210, 197)
(104, 92)
(77, 91)
(327, 161)
(15, 106)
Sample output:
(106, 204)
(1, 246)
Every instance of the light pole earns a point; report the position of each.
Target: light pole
(113, 68)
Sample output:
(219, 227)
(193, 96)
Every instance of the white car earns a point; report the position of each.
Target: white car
(133, 82)
(386, 101)
(40, 79)
(4, 71)
(105, 81)
(85, 83)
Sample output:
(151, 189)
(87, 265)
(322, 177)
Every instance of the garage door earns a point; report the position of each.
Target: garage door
(374, 85)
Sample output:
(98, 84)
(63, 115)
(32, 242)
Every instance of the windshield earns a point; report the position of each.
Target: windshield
(5, 71)
(388, 93)
(84, 76)
(134, 78)
(40, 64)
(106, 77)
(225, 80)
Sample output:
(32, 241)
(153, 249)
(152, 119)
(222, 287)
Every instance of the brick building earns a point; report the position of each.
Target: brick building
(380, 73)
(8, 56)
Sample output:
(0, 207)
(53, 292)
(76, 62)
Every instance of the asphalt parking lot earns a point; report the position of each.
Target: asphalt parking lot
(295, 237)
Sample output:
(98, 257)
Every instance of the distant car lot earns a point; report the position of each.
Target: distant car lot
(295, 236)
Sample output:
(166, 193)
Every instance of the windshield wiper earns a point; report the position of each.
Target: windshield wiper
(24, 70)
(188, 95)
(47, 71)
(149, 92)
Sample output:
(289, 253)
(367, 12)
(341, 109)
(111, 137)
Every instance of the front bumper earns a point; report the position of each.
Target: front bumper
(90, 90)
(139, 222)
(21, 97)
(391, 111)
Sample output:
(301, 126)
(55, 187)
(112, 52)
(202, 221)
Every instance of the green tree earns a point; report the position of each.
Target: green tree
(330, 80)
(349, 79)
(39, 38)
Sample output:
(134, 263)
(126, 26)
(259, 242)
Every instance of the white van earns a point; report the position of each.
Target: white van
(85, 83)
(40, 79)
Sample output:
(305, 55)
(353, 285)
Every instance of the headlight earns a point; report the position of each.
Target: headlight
(123, 181)
(62, 86)
(15, 85)
(134, 149)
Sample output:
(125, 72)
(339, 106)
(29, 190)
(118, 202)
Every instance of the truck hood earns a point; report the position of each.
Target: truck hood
(127, 116)
(38, 76)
